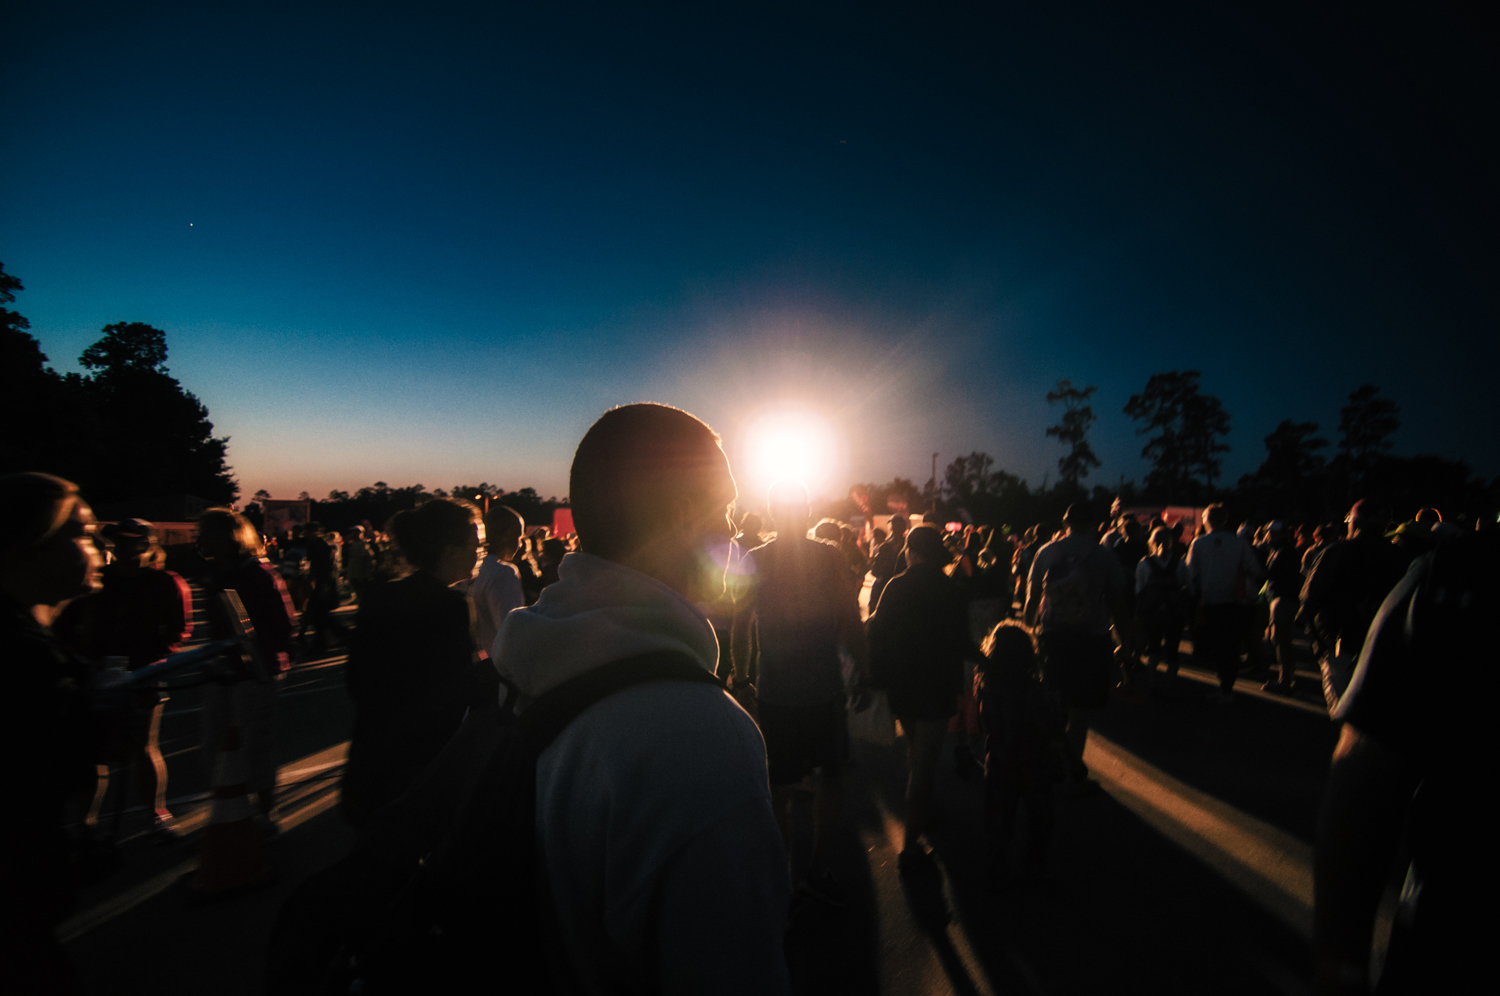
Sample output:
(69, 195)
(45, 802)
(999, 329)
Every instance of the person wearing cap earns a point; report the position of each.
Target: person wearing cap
(1283, 585)
(142, 613)
(1351, 579)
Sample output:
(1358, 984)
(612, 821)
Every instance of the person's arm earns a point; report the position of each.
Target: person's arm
(1359, 831)
(1254, 567)
(1033, 592)
(851, 629)
(739, 639)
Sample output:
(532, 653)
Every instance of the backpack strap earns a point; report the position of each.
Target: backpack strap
(546, 718)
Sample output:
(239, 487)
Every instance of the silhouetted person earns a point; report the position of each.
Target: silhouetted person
(1163, 599)
(1284, 585)
(1024, 726)
(1226, 575)
(1347, 585)
(919, 642)
(1411, 759)
(802, 604)
(412, 665)
(142, 613)
(359, 562)
(496, 588)
(47, 557)
(658, 843)
(890, 559)
(231, 545)
(325, 596)
(1075, 591)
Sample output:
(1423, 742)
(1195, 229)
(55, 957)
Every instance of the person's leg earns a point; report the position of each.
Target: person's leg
(1076, 737)
(923, 748)
(784, 767)
(827, 803)
(217, 714)
(781, 802)
(256, 712)
(1041, 816)
(1006, 801)
(1225, 625)
(1173, 624)
(151, 768)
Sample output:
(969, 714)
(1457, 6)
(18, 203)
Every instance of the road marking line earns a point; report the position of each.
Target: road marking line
(1245, 686)
(1268, 864)
(313, 805)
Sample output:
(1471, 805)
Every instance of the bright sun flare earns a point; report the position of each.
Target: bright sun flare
(791, 446)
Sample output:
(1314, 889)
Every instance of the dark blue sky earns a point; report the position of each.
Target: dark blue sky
(433, 242)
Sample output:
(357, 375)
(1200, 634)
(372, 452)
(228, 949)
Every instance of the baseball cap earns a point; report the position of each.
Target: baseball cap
(128, 530)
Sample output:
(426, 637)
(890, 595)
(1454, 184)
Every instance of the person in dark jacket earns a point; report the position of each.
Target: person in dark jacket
(919, 641)
(413, 669)
(143, 613)
(47, 557)
(231, 545)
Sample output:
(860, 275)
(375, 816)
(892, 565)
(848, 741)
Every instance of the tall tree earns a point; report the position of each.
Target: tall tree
(1291, 455)
(1188, 427)
(967, 478)
(34, 418)
(1367, 423)
(1073, 431)
(155, 437)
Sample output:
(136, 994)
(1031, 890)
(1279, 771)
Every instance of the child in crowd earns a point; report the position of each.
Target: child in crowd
(1023, 724)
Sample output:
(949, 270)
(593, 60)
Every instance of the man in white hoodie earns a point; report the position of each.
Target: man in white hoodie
(659, 846)
(1226, 574)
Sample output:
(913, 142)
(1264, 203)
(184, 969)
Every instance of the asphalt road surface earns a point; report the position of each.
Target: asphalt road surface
(1189, 873)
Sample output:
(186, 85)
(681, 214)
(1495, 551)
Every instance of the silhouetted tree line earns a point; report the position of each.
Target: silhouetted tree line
(378, 502)
(1185, 431)
(124, 430)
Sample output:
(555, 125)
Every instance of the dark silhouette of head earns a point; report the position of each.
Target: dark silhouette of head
(1216, 517)
(924, 544)
(225, 535)
(1080, 518)
(503, 529)
(426, 534)
(47, 553)
(650, 488)
(1367, 516)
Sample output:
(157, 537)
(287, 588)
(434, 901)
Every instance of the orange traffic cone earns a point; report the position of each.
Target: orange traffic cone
(230, 859)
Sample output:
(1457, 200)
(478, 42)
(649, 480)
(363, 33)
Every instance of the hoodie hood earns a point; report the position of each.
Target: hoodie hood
(596, 612)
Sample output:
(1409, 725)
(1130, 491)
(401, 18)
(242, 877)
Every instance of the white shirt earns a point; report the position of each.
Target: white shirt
(496, 589)
(1225, 569)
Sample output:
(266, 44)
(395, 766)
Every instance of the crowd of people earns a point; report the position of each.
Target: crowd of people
(661, 803)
